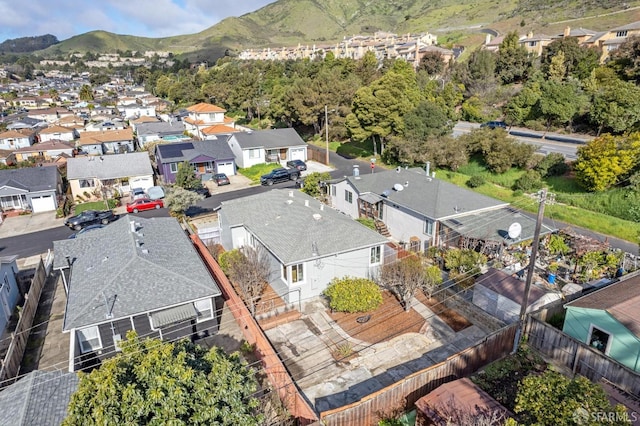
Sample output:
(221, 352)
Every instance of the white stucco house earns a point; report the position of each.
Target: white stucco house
(307, 242)
(13, 139)
(267, 146)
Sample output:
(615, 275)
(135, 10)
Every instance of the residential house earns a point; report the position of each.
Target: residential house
(104, 124)
(49, 115)
(29, 102)
(74, 122)
(27, 123)
(13, 139)
(535, 44)
(121, 172)
(458, 401)
(9, 291)
(30, 188)
(135, 274)
(218, 131)
(144, 119)
(414, 205)
(46, 151)
(501, 295)
(106, 142)
(308, 243)
(172, 131)
(135, 110)
(263, 146)
(608, 41)
(56, 132)
(581, 34)
(38, 398)
(206, 158)
(205, 115)
(609, 320)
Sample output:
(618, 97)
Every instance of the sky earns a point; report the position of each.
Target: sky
(144, 18)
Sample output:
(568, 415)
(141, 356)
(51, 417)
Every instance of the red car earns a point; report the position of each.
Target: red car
(143, 204)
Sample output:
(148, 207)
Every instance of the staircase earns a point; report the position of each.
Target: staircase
(382, 228)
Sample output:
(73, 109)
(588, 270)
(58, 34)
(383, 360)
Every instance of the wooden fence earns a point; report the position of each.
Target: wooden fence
(19, 337)
(406, 392)
(316, 153)
(565, 351)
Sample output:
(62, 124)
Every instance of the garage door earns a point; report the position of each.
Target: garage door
(226, 168)
(298, 154)
(45, 203)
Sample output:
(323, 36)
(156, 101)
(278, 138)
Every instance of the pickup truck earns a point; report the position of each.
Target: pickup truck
(90, 217)
(279, 175)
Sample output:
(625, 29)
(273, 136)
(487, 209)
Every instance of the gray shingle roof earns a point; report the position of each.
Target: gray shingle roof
(431, 197)
(30, 178)
(161, 128)
(187, 151)
(109, 166)
(288, 227)
(269, 139)
(39, 398)
(165, 270)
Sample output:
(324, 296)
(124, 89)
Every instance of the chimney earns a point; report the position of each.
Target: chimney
(530, 34)
(487, 39)
(567, 31)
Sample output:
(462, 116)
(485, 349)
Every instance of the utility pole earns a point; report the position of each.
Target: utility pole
(326, 134)
(531, 269)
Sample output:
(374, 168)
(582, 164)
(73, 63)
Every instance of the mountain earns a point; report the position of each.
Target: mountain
(27, 44)
(289, 22)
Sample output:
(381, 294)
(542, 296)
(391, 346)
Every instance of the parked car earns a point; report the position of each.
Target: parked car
(90, 217)
(297, 164)
(85, 230)
(137, 193)
(144, 204)
(203, 190)
(494, 125)
(155, 192)
(279, 175)
(221, 179)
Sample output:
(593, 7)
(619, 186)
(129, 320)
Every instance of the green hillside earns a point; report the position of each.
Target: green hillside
(289, 22)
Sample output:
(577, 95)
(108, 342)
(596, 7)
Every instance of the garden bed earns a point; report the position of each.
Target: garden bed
(452, 318)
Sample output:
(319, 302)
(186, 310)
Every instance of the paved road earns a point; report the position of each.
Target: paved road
(566, 145)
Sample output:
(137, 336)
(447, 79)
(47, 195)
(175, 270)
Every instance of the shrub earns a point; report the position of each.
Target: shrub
(553, 164)
(476, 181)
(529, 181)
(227, 258)
(351, 294)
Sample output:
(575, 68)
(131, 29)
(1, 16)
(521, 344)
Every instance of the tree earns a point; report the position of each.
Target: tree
(521, 107)
(478, 74)
(557, 69)
(427, 119)
(405, 277)
(186, 176)
(559, 101)
(513, 61)
(86, 93)
(312, 183)
(579, 61)
(463, 265)
(615, 105)
(432, 63)
(179, 200)
(251, 272)
(350, 294)
(155, 382)
(625, 60)
(606, 160)
(553, 399)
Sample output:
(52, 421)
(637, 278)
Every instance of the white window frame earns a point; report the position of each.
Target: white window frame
(173, 167)
(428, 226)
(297, 273)
(82, 341)
(254, 153)
(609, 342)
(333, 190)
(89, 183)
(203, 306)
(375, 255)
(348, 196)
(621, 34)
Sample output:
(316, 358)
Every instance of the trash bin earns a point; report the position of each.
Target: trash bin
(551, 278)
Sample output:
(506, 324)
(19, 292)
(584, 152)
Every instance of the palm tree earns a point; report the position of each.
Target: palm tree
(86, 93)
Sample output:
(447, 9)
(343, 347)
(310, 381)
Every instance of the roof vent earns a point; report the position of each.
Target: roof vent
(406, 183)
(317, 216)
(385, 193)
(291, 194)
(306, 203)
(289, 201)
(321, 207)
(145, 251)
(398, 187)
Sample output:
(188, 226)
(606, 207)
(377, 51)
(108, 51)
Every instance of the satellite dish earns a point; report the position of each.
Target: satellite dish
(398, 187)
(515, 229)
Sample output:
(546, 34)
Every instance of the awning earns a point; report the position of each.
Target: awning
(370, 198)
(173, 315)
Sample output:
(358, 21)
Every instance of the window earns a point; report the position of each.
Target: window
(86, 183)
(333, 190)
(297, 273)
(428, 227)
(284, 273)
(89, 339)
(254, 153)
(173, 167)
(599, 339)
(533, 43)
(348, 196)
(621, 34)
(375, 255)
(204, 309)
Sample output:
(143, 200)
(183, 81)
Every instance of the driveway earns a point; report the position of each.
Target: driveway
(25, 224)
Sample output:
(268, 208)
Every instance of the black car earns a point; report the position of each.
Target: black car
(203, 190)
(90, 217)
(85, 230)
(495, 125)
(297, 164)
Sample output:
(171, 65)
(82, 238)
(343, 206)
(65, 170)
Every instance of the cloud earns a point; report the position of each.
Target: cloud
(146, 18)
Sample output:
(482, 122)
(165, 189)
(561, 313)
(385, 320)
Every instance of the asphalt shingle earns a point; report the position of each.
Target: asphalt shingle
(109, 166)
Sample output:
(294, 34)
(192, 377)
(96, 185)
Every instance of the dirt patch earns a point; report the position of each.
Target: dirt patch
(452, 318)
(386, 322)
